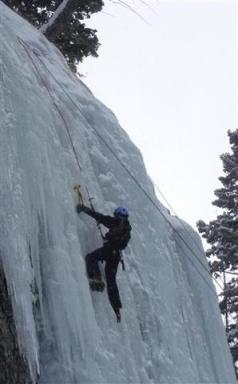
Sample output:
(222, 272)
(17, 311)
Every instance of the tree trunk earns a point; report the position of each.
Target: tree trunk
(13, 369)
(226, 308)
(57, 22)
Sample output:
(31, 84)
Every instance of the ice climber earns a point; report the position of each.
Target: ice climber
(115, 240)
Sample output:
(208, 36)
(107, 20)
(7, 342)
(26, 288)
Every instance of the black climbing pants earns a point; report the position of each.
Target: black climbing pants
(111, 257)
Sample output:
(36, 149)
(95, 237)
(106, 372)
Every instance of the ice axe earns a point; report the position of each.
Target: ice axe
(90, 199)
(79, 194)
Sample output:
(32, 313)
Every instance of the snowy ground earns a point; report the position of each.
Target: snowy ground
(171, 329)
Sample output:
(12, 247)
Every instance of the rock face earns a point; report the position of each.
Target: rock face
(13, 369)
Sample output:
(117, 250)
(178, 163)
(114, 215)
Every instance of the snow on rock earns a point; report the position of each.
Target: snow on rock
(171, 329)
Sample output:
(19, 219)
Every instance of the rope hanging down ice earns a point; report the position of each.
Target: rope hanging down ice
(44, 83)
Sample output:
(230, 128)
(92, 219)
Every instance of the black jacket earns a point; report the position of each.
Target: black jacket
(118, 235)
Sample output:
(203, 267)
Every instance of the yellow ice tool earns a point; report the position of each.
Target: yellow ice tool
(79, 194)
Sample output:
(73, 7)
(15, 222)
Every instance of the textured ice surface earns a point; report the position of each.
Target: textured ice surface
(171, 329)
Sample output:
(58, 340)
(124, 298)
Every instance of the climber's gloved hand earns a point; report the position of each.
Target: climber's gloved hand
(82, 208)
(79, 208)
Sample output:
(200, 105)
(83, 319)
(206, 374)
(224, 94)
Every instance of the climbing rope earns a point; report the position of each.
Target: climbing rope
(183, 225)
(44, 83)
(90, 199)
(77, 188)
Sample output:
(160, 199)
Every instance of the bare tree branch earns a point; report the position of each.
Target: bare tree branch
(149, 7)
(58, 20)
(128, 6)
(55, 16)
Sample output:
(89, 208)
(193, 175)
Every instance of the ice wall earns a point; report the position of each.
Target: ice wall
(171, 330)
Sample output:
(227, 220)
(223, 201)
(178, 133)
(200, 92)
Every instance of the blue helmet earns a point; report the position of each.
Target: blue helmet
(121, 211)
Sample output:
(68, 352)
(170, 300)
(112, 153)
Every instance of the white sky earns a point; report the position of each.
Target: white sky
(171, 84)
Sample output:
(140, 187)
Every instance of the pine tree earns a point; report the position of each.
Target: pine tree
(37, 12)
(222, 236)
(68, 32)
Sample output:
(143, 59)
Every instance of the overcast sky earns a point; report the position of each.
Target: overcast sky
(170, 80)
